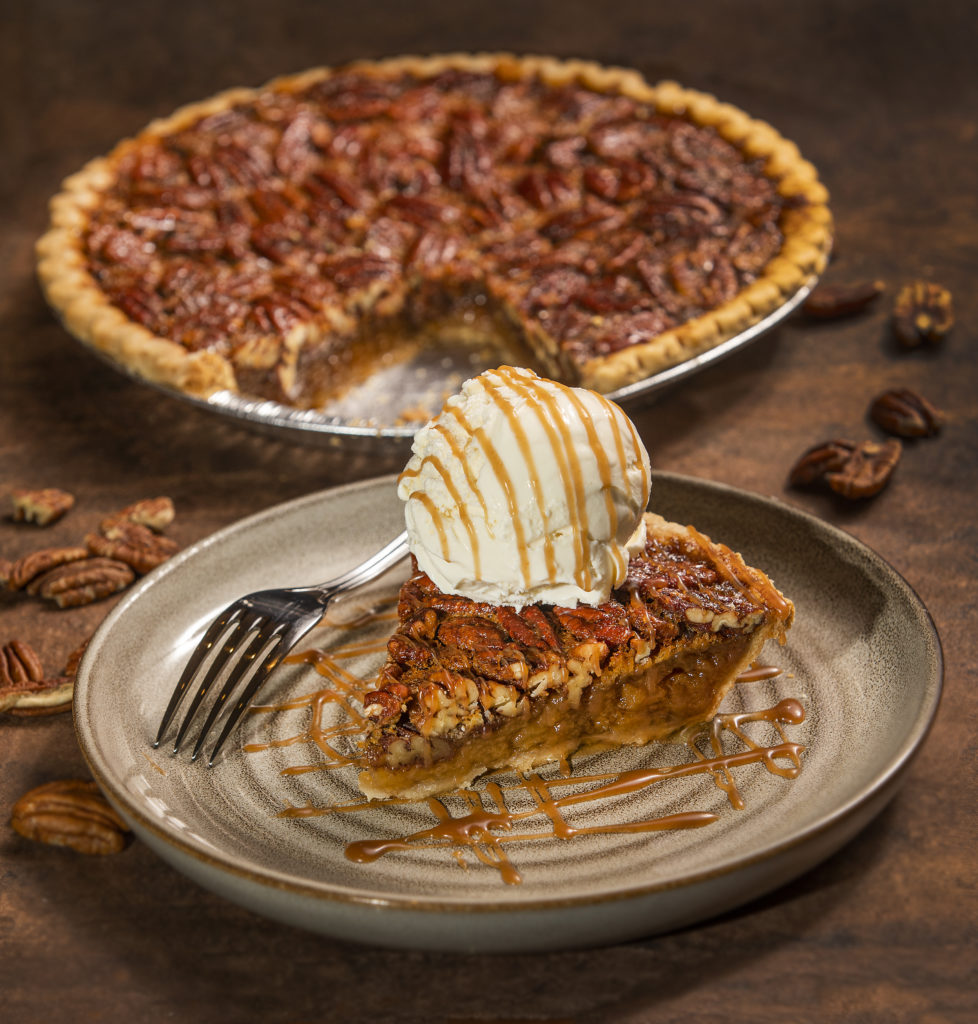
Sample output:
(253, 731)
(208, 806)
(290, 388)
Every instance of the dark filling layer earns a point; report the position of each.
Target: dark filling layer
(651, 703)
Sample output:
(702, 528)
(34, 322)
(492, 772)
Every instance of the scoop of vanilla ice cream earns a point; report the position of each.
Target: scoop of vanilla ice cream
(524, 491)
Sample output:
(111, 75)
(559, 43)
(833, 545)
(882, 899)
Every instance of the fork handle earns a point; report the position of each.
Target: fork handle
(365, 572)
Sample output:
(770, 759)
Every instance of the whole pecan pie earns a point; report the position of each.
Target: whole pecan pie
(470, 686)
(279, 241)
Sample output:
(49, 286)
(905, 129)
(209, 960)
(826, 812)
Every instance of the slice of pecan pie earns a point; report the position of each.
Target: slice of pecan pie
(280, 241)
(469, 687)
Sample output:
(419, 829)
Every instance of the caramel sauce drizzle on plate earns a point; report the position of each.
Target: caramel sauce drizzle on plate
(335, 743)
(477, 829)
(488, 821)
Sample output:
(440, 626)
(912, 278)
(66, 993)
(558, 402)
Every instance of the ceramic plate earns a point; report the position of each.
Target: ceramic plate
(408, 393)
(272, 824)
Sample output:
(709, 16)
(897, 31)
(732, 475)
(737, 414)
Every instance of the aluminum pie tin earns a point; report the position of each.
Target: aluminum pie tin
(382, 414)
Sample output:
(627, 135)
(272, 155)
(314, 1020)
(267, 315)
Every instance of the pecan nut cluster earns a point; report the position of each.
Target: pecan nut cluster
(922, 315)
(20, 672)
(25, 688)
(125, 545)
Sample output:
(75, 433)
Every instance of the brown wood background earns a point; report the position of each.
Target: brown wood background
(883, 96)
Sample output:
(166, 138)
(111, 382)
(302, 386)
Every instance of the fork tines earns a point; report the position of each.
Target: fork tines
(237, 638)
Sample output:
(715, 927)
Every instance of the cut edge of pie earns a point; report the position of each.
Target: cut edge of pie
(806, 225)
(470, 688)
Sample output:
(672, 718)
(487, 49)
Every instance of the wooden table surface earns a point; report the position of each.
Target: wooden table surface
(883, 98)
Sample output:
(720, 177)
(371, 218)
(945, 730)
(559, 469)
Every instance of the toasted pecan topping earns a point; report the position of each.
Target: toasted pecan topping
(457, 665)
(592, 214)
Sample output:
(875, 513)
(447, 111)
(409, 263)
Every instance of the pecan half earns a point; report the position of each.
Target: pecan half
(73, 813)
(74, 660)
(386, 703)
(850, 469)
(83, 582)
(136, 545)
(605, 623)
(43, 507)
(37, 563)
(833, 301)
(156, 513)
(47, 697)
(827, 457)
(529, 627)
(922, 314)
(405, 650)
(905, 413)
(471, 634)
(21, 672)
(53, 696)
(22, 662)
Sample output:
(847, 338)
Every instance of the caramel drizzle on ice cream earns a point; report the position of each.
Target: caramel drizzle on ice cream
(458, 453)
(558, 433)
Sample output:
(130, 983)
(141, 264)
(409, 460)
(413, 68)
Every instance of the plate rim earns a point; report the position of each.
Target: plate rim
(881, 784)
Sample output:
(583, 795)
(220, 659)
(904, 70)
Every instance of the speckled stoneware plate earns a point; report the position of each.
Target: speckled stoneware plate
(383, 413)
(560, 862)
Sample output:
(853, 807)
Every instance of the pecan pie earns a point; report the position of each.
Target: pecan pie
(469, 687)
(280, 241)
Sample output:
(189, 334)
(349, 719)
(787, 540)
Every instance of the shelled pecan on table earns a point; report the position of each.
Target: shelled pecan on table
(72, 813)
(21, 672)
(922, 314)
(135, 545)
(24, 571)
(834, 301)
(25, 688)
(155, 513)
(905, 413)
(82, 582)
(854, 470)
(43, 507)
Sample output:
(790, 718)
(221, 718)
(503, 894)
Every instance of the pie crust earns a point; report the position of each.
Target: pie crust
(111, 224)
(470, 687)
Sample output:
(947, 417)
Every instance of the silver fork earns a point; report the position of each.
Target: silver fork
(268, 623)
